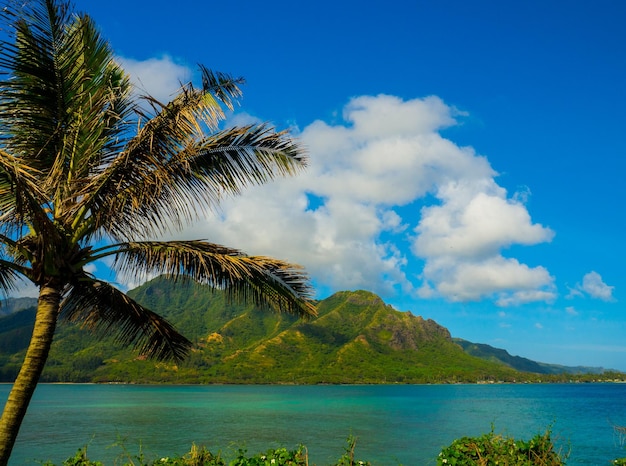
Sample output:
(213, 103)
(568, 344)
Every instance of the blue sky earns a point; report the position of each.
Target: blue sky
(466, 158)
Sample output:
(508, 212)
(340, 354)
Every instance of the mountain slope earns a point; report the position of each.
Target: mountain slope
(356, 338)
(11, 305)
(522, 364)
(496, 354)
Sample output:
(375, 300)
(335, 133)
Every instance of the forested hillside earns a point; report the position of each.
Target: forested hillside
(356, 338)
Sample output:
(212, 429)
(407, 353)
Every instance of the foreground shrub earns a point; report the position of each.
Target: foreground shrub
(280, 456)
(200, 456)
(197, 456)
(492, 449)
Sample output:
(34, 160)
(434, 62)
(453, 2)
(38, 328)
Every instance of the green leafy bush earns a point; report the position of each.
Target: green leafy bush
(79, 459)
(280, 456)
(492, 449)
(200, 456)
(197, 456)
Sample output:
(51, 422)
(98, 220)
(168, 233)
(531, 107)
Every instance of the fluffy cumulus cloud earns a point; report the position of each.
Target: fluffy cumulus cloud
(387, 204)
(462, 237)
(158, 77)
(593, 286)
(390, 205)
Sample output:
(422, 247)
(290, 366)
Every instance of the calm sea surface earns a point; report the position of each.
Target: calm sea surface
(397, 424)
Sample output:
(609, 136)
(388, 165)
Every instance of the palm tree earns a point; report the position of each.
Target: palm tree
(88, 172)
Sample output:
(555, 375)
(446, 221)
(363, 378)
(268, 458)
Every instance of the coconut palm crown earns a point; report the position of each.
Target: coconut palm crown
(89, 171)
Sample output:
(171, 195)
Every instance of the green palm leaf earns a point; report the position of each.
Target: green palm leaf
(8, 278)
(269, 283)
(206, 171)
(100, 307)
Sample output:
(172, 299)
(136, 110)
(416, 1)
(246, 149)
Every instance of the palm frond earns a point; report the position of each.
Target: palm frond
(22, 201)
(96, 94)
(18, 182)
(153, 195)
(221, 86)
(30, 97)
(241, 156)
(217, 89)
(65, 100)
(267, 282)
(100, 307)
(8, 278)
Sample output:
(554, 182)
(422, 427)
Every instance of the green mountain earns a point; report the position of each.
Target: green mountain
(495, 354)
(356, 338)
(490, 353)
(11, 305)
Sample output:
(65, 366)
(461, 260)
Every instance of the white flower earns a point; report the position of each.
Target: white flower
(273, 461)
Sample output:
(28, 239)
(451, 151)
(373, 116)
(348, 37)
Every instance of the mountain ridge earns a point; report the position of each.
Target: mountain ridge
(523, 364)
(356, 338)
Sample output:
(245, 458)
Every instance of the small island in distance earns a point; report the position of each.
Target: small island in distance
(356, 338)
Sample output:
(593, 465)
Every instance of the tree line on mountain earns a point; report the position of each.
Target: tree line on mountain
(356, 338)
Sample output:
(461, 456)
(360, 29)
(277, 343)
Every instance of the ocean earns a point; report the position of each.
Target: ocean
(394, 424)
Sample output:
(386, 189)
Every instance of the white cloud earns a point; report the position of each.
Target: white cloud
(462, 237)
(593, 286)
(515, 298)
(354, 216)
(470, 280)
(475, 224)
(385, 115)
(159, 77)
(574, 293)
(387, 204)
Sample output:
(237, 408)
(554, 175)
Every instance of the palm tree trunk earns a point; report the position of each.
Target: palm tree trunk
(34, 362)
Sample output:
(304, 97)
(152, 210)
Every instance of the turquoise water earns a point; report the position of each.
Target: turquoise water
(397, 424)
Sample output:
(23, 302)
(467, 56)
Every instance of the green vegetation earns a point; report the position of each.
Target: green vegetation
(522, 364)
(492, 449)
(485, 450)
(356, 338)
(200, 456)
